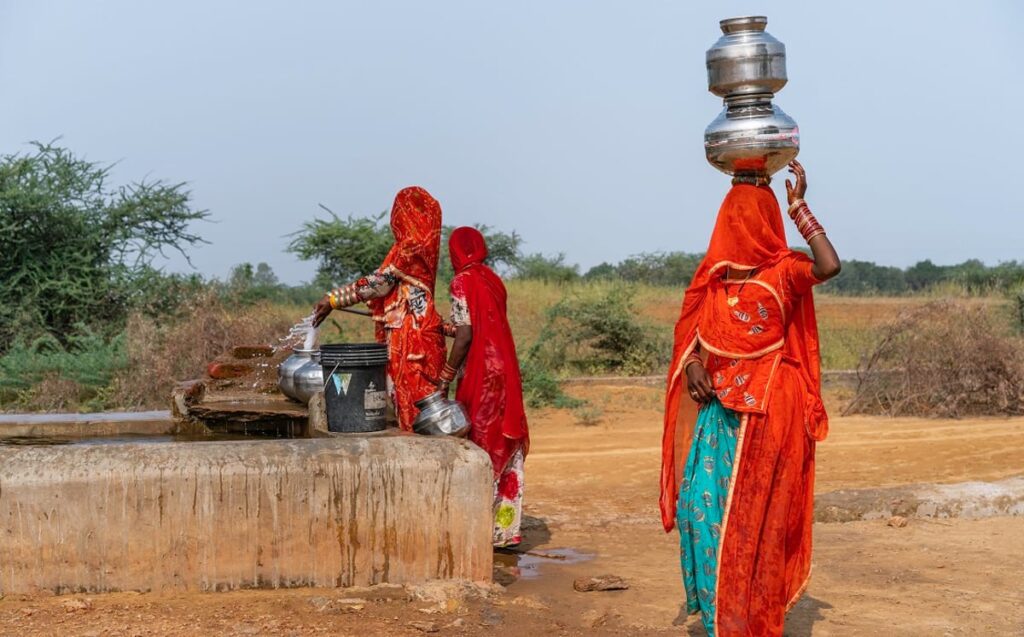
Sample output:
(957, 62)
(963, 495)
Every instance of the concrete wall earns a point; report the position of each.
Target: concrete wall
(225, 515)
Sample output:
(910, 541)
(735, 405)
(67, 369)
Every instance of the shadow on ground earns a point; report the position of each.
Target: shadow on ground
(799, 623)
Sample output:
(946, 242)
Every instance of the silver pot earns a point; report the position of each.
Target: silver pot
(751, 136)
(440, 416)
(308, 379)
(746, 60)
(302, 367)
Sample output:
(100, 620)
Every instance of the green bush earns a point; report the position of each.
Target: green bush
(542, 389)
(597, 334)
(88, 363)
(549, 269)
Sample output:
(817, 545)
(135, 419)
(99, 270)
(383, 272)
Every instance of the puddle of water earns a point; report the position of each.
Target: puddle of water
(512, 565)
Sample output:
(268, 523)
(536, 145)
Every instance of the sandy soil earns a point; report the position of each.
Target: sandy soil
(591, 496)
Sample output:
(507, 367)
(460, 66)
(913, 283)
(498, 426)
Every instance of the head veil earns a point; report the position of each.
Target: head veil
(416, 226)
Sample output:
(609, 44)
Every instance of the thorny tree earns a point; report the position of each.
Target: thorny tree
(73, 248)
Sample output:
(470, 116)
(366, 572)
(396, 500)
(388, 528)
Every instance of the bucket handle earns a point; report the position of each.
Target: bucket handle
(328, 378)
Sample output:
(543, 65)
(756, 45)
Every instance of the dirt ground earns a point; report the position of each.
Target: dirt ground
(592, 500)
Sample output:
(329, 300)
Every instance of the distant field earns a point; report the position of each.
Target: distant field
(848, 325)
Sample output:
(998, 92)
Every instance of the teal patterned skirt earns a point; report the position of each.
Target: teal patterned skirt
(702, 499)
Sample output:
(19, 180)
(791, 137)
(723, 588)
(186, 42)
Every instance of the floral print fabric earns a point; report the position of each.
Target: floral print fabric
(460, 307)
(703, 496)
(508, 503)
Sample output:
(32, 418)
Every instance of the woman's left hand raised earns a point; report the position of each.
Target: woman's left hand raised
(797, 191)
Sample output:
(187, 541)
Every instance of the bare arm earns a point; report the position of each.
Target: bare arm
(460, 348)
(826, 261)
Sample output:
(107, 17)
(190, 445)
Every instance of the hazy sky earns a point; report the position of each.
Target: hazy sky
(578, 124)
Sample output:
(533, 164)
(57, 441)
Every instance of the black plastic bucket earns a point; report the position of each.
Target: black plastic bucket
(355, 386)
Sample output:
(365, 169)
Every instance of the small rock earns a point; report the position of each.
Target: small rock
(28, 612)
(425, 627)
(598, 618)
(600, 583)
(75, 605)
(491, 617)
(226, 371)
(440, 591)
(458, 623)
(351, 603)
(320, 603)
(897, 521)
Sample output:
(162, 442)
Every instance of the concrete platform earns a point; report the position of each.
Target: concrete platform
(226, 515)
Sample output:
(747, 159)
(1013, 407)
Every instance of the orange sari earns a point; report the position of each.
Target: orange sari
(765, 542)
(406, 317)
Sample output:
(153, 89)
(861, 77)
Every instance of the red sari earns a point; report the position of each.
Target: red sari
(490, 386)
(406, 317)
(765, 545)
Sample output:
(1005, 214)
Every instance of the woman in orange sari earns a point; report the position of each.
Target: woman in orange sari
(490, 386)
(743, 413)
(401, 296)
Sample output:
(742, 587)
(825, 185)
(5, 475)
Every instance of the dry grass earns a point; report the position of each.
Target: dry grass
(161, 354)
(946, 359)
(849, 326)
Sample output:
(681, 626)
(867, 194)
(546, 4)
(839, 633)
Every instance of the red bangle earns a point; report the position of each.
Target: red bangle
(806, 223)
(691, 359)
(448, 373)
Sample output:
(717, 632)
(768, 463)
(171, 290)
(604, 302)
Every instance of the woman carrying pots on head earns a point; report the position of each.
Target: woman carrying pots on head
(743, 412)
(490, 386)
(401, 296)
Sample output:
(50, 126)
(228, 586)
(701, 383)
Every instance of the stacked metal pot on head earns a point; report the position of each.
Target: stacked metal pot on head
(746, 67)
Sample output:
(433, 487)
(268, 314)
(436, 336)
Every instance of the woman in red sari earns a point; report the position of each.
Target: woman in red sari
(401, 296)
(743, 413)
(490, 386)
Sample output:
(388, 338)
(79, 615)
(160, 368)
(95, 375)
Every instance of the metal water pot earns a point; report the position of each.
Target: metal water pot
(440, 416)
(746, 67)
(308, 379)
(746, 60)
(286, 373)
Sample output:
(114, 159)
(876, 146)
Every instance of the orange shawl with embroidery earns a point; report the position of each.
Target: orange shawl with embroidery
(749, 233)
(765, 546)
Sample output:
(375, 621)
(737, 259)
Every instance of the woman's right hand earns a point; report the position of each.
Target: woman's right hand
(322, 310)
(698, 383)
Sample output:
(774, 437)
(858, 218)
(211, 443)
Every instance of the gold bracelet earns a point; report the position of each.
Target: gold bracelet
(332, 300)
